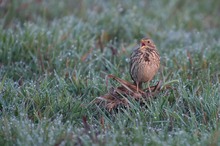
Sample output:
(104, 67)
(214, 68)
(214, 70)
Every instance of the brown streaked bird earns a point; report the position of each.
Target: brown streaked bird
(144, 63)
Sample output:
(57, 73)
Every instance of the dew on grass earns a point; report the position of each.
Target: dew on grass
(200, 98)
(29, 138)
(127, 60)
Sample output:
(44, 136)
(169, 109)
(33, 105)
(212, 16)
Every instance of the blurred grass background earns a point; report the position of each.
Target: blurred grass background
(54, 56)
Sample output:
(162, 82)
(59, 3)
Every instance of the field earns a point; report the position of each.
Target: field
(55, 56)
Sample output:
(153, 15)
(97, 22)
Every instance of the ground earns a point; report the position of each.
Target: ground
(55, 55)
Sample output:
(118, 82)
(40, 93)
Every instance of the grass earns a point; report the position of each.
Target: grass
(54, 56)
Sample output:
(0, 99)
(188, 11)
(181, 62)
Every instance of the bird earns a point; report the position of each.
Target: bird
(144, 63)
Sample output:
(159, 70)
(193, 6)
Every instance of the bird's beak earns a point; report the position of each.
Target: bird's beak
(142, 43)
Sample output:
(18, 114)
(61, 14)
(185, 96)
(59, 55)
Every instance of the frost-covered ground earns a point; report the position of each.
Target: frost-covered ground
(54, 56)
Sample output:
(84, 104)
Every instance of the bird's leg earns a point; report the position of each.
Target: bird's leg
(137, 86)
(148, 85)
(149, 89)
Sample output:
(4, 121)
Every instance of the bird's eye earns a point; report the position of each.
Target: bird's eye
(148, 42)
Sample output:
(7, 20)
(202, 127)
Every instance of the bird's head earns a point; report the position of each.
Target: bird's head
(146, 42)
